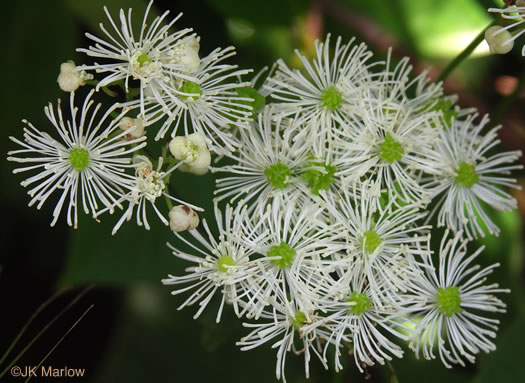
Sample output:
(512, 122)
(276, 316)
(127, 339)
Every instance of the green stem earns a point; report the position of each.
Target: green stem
(46, 327)
(110, 93)
(169, 203)
(463, 55)
(60, 341)
(33, 316)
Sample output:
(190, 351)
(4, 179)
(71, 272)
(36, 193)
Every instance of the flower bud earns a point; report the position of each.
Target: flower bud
(183, 218)
(134, 127)
(193, 151)
(189, 54)
(499, 40)
(71, 78)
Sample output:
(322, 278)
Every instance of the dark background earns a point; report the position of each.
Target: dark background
(134, 333)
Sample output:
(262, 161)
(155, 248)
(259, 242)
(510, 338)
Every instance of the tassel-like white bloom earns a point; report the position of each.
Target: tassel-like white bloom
(155, 56)
(268, 163)
(358, 319)
(221, 263)
(382, 246)
(470, 176)
(285, 321)
(86, 163)
(453, 302)
(209, 104)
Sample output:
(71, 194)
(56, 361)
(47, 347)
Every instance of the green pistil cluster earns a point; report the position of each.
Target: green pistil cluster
(224, 261)
(449, 301)
(79, 159)
(371, 240)
(257, 103)
(318, 180)
(192, 88)
(143, 59)
(446, 107)
(298, 320)
(284, 251)
(466, 175)
(390, 150)
(278, 174)
(362, 303)
(332, 98)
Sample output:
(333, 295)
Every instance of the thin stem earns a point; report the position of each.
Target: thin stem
(464, 55)
(46, 327)
(23, 330)
(393, 375)
(60, 340)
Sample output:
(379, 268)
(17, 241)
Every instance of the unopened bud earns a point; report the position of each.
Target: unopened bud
(134, 127)
(193, 152)
(71, 78)
(499, 40)
(183, 218)
(188, 54)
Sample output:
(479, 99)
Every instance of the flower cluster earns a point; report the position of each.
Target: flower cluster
(331, 200)
(99, 158)
(334, 177)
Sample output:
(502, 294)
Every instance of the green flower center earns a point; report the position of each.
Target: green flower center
(192, 88)
(79, 159)
(298, 320)
(277, 174)
(284, 251)
(258, 99)
(317, 179)
(362, 303)
(449, 301)
(371, 240)
(446, 107)
(466, 175)
(143, 59)
(223, 261)
(331, 98)
(391, 150)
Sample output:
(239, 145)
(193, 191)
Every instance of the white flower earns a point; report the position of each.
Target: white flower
(208, 104)
(154, 56)
(192, 150)
(470, 176)
(221, 262)
(514, 12)
(294, 248)
(267, 165)
(284, 322)
(329, 88)
(87, 159)
(148, 185)
(71, 77)
(359, 320)
(183, 218)
(390, 146)
(453, 303)
(383, 246)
